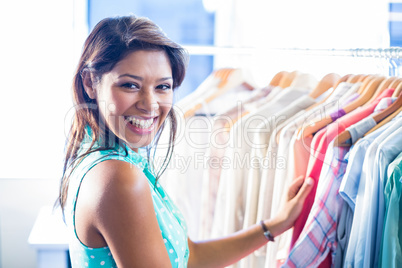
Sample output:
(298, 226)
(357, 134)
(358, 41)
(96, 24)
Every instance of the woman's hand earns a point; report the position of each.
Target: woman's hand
(292, 207)
(230, 249)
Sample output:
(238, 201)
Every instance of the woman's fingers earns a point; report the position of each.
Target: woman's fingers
(295, 187)
(305, 189)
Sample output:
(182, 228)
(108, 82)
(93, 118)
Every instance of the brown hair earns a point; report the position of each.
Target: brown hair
(108, 43)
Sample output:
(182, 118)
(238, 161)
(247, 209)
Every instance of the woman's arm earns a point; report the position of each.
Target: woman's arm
(225, 251)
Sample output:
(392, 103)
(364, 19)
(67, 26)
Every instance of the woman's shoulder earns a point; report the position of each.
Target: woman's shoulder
(110, 186)
(116, 177)
(103, 178)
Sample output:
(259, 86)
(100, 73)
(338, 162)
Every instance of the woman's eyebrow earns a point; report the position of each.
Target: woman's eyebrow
(132, 76)
(141, 79)
(165, 78)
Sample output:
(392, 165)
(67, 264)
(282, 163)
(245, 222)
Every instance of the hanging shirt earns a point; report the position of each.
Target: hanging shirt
(289, 149)
(318, 154)
(318, 237)
(231, 197)
(352, 188)
(342, 234)
(263, 160)
(209, 85)
(391, 250)
(222, 123)
(347, 189)
(379, 155)
(302, 146)
(266, 161)
(171, 223)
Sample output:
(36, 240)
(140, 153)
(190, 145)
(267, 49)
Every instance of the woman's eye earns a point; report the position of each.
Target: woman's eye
(164, 87)
(130, 86)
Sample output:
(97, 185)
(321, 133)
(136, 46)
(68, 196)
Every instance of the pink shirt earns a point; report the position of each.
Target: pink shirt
(319, 147)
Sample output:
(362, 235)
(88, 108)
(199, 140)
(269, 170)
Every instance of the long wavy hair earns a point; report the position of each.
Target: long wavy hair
(108, 43)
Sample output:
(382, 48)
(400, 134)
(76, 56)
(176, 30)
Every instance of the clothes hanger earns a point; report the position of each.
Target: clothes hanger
(287, 79)
(389, 110)
(369, 85)
(341, 139)
(349, 78)
(366, 95)
(365, 79)
(342, 79)
(215, 81)
(230, 78)
(387, 83)
(211, 83)
(282, 78)
(395, 82)
(398, 88)
(277, 78)
(389, 117)
(327, 82)
(354, 78)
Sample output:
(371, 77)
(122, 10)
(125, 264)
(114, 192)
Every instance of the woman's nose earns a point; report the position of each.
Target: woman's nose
(148, 102)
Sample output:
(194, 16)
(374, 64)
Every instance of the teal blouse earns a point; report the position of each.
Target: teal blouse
(171, 221)
(391, 250)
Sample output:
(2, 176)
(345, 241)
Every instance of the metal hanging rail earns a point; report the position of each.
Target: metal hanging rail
(384, 53)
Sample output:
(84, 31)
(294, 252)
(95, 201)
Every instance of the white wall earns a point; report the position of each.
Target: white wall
(20, 201)
(38, 56)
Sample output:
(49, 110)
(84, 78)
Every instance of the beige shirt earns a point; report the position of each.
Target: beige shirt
(268, 163)
(231, 197)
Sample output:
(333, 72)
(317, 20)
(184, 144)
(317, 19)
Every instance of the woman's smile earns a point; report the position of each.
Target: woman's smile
(140, 125)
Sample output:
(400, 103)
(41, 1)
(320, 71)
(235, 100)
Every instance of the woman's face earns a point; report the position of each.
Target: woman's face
(136, 96)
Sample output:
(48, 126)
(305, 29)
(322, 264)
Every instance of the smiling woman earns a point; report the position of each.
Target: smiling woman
(116, 211)
(123, 91)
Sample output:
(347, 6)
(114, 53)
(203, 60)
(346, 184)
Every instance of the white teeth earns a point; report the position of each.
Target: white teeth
(141, 123)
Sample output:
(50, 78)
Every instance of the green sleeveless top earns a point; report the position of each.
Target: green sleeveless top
(171, 221)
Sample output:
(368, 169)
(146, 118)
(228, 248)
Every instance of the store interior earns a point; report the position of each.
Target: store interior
(42, 41)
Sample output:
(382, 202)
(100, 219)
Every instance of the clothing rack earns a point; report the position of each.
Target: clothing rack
(385, 53)
(390, 58)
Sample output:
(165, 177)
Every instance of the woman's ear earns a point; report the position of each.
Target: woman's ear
(88, 85)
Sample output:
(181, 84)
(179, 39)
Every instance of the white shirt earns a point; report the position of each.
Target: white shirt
(231, 198)
(266, 160)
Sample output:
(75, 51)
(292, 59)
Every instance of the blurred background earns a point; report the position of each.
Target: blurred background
(41, 41)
